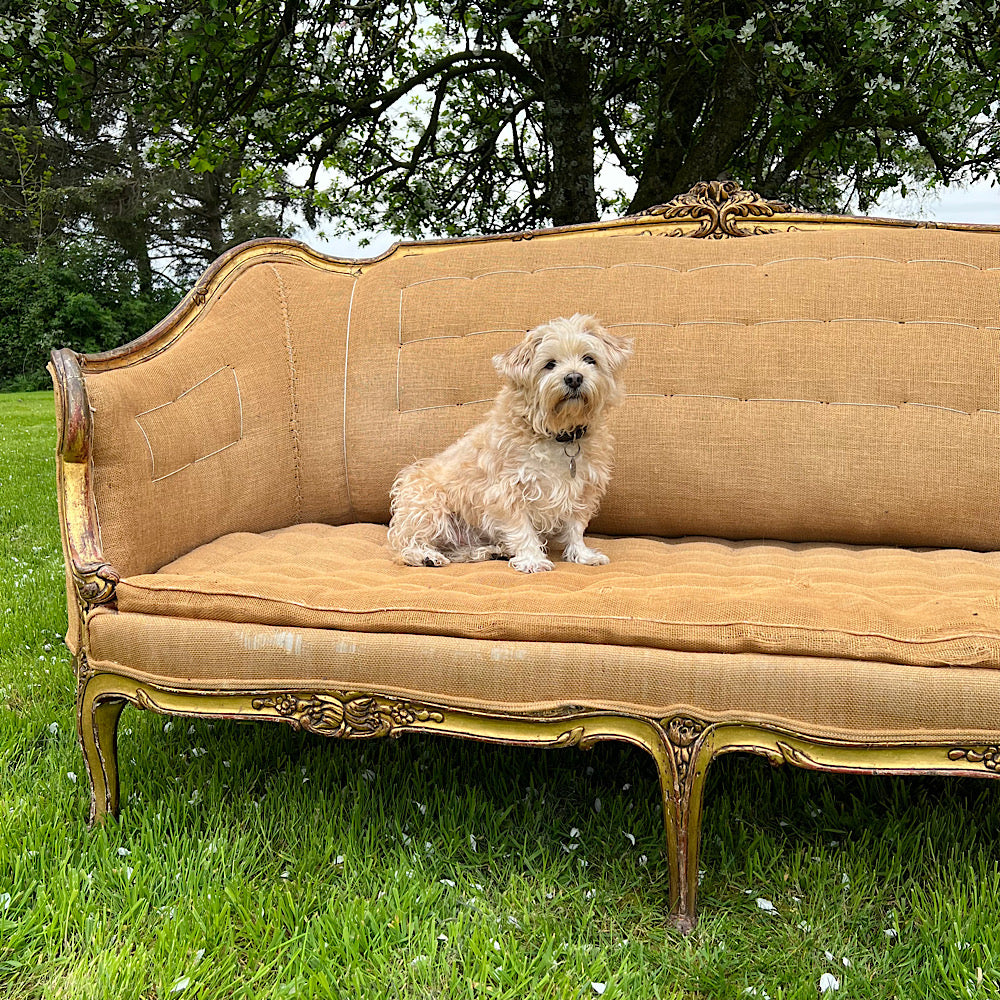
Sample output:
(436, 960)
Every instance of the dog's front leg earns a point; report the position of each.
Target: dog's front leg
(525, 545)
(575, 550)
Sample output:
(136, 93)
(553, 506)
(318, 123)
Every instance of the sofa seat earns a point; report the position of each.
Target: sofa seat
(927, 607)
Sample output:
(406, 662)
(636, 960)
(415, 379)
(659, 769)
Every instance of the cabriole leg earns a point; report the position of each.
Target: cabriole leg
(682, 771)
(97, 726)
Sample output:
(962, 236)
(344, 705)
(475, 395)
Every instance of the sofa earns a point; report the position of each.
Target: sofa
(802, 522)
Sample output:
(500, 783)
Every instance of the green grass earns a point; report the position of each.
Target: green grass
(251, 861)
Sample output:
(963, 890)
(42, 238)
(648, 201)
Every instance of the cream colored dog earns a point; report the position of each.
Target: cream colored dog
(535, 469)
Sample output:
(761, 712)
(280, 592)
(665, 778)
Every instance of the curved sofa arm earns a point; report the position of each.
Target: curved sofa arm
(94, 577)
(225, 417)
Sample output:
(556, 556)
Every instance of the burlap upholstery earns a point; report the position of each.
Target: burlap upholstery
(926, 608)
(230, 428)
(829, 385)
(824, 697)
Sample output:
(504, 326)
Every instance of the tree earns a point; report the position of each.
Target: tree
(443, 117)
(75, 138)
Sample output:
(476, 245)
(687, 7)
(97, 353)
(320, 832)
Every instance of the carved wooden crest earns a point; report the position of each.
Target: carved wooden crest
(718, 206)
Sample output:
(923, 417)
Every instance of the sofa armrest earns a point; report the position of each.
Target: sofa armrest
(94, 577)
(207, 424)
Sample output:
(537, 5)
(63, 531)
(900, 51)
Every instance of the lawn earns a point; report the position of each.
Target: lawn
(251, 861)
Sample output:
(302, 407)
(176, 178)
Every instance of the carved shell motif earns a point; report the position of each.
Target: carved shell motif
(683, 733)
(717, 206)
(346, 714)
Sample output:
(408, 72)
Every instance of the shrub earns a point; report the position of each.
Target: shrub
(47, 303)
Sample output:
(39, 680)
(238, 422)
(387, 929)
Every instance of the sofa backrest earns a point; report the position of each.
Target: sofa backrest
(834, 380)
(840, 384)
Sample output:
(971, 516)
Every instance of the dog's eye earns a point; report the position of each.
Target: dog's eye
(589, 359)
(549, 365)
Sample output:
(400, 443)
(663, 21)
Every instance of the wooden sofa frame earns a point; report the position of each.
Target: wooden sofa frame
(682, 748)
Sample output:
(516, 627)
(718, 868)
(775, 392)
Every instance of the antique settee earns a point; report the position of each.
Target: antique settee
(802, 523)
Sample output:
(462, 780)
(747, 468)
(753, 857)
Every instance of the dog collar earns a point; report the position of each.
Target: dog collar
(564, 437)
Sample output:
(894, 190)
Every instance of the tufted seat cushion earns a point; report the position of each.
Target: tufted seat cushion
(926, 607)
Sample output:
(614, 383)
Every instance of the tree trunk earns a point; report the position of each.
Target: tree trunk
(571, 191)
(700, 125)
(137, 244)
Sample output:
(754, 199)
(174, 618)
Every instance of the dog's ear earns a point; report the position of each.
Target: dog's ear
(515, 363)
(618, 349)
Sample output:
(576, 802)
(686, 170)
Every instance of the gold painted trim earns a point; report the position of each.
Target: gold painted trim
(710, 209)
(682, 747)
(94, 578)
(717, 207)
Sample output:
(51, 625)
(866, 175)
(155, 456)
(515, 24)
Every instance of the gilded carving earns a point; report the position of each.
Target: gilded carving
(95, 584)
(682, 734)
(570, 738)
(717, 206)
(790, 755)
(347, 714)
(989, 756)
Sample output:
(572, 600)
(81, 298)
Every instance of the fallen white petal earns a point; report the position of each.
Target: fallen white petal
(765, 904)
(599, 988)
(181, 984)
(71, 775)
(828, 983)
(631, 838)
(447, 881)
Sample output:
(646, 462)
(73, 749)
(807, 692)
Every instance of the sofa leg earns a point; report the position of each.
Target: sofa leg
(97, 726)
(682, 771)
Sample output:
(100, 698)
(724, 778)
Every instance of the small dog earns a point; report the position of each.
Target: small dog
(535, 469)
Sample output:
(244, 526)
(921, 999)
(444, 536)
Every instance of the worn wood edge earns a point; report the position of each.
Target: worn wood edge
(710, 209)
(93, 579)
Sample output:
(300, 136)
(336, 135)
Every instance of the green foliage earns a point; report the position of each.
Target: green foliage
(47, 303)
(437, 117)
(443, 117)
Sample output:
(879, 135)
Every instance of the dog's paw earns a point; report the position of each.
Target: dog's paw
(424, 557)
(586, 557)
(531, 564)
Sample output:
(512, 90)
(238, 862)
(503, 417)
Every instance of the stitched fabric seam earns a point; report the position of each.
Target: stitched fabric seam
(451, 612)
(239, 398)
(343, 429)
(292, 392)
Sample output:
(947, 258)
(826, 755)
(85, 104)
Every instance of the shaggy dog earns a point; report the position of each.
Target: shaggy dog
(535, 469)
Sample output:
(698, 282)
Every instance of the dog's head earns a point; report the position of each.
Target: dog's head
(568, 371)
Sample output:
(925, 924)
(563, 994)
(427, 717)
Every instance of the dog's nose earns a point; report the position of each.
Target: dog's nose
(574, 380)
